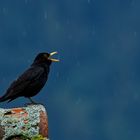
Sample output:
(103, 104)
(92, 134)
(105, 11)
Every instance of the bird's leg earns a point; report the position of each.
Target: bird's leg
(32, 102)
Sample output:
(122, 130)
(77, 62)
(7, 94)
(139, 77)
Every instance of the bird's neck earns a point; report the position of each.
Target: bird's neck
(43, 65)
(42, 62)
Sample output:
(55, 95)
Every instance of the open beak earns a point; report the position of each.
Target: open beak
(53, 59)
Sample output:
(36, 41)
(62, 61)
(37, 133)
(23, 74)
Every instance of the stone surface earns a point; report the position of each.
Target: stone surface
(29, 121)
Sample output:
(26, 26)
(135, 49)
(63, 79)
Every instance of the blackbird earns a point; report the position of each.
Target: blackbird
(32, 80)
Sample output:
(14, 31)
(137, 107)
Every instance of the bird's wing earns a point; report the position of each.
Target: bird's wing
(24, 81)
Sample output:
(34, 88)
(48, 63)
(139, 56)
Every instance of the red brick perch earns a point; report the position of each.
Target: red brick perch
(30, 122)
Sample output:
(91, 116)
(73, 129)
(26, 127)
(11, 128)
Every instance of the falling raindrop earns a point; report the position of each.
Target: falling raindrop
(26, 1)
(45, 15)
(89, 1)
(135, 33)
(57, 74)
(5, 10)
(79, 100)
(24, 33)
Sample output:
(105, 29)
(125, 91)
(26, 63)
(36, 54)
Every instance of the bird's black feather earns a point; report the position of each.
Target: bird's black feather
(30, 82)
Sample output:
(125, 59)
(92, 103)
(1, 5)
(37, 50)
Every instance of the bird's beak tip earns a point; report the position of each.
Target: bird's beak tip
(53, 59)
(52, 53)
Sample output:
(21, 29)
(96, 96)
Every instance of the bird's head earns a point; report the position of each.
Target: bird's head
(45, 58)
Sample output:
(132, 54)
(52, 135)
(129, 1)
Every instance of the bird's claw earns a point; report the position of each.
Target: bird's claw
(28, 104)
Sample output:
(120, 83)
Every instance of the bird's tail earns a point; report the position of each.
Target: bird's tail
(3, 98)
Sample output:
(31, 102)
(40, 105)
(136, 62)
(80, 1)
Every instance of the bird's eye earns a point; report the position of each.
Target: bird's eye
(45, 55)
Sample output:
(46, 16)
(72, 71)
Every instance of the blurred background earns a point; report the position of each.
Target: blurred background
(93, 93)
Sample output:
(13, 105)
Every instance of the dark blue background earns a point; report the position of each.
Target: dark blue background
(94, 92)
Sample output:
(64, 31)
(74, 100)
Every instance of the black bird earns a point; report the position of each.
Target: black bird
(32, 80)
